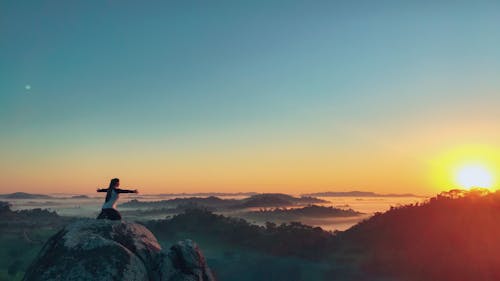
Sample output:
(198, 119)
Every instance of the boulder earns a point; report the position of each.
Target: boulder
(103, 250)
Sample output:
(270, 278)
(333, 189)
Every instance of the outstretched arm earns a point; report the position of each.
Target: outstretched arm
(126, 191)
(102, 190)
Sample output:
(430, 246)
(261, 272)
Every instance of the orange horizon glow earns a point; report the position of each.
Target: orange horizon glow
(260, 98)
(421, 159)
(246, 172)
(467, 166)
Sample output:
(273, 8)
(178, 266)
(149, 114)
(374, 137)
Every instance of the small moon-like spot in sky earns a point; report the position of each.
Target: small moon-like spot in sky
(27, 87)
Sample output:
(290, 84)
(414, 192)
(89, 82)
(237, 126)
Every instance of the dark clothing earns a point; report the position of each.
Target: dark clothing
(112, 195)
(117, 190)
(110, 214)
(109, 211)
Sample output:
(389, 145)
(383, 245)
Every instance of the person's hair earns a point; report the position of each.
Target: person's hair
(114, 182)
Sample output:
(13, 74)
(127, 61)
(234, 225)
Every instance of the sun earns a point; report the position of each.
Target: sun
(465, 166)
(474, 175)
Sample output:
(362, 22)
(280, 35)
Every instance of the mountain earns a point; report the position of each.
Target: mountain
(80, 197)
(211, 201)
(258, 200)
(453, 236)
(277, 200)
(101, 250)
(292, 239)
(209, 194)
(24, 195)
(356, 194)
(311, 211)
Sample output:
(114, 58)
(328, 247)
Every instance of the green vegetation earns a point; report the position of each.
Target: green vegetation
(258, 200)
(290, 239)
(311, 211)
(22, 235)
(453, 236)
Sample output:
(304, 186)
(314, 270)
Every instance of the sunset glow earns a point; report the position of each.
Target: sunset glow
(249, 140)
(474, 175)
(283, 98)
(466, 166)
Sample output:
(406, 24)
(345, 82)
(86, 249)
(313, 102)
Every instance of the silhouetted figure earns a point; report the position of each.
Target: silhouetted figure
(112, 194)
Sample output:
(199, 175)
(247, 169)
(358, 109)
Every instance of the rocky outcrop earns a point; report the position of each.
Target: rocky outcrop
(103, 250)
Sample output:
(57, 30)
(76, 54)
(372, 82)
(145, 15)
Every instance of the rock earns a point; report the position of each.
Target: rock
(189, 264)
(102, 250)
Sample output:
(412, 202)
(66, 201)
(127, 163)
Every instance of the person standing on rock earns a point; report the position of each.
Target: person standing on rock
(112, 194)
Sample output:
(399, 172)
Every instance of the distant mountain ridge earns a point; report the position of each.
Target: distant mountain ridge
(259, 200)
(312, 211)
(357, 194)
(207, 194)
(24, 195)
(277, 200)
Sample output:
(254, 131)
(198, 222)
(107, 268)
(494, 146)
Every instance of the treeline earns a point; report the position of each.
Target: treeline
(22, 234)
(11, 220)
(453, 236)
(290, 239)
(259, 200)
(308, 211)
(21, 222)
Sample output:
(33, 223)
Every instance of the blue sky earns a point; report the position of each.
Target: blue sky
(126, 80)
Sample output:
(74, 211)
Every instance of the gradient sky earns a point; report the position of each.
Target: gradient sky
(282, 96)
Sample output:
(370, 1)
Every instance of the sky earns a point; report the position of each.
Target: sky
(231, 96)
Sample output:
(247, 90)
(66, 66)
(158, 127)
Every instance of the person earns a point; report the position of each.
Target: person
(112, 194)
